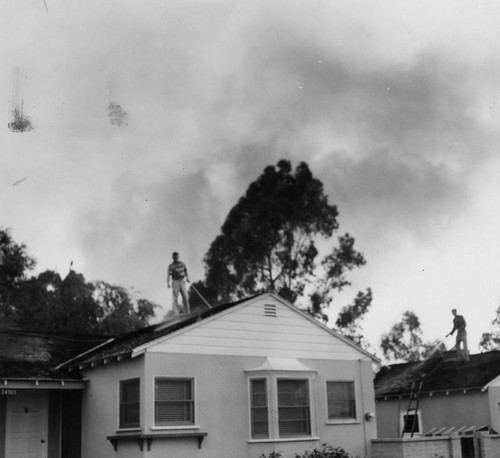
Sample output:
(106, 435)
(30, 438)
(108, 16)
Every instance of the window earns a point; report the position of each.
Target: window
(258, 408)
(174, 402)
(281, 393)
(130, 403)
(411, 422)
(293, 408)
(341, 400)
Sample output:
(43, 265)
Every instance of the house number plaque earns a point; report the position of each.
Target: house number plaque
(8, 392)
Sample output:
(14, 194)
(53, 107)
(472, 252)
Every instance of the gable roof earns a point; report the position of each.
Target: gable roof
(438, 374)
(36, 355)
(126, 345)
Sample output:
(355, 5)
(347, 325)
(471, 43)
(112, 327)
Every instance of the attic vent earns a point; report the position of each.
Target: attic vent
(270, 310)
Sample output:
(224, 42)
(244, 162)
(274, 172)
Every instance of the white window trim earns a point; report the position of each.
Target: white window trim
(267, 379)
(272, 408)
(154, 427)
(118, 402)
(401, 423)
(343, 421)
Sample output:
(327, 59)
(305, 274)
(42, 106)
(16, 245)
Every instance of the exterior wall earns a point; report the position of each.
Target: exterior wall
(100, 408)
(438, 411)
(490, 446)
(494, 404)
(446, 447)
(221, 407)
(485, 446)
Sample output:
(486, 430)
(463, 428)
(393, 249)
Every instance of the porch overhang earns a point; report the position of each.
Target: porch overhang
(41, 384)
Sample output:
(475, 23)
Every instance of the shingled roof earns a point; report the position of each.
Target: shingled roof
(122, 346)
(36, 355)
(438, 374)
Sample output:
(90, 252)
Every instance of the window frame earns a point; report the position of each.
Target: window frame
(342, 420)
(268, 412)
(134, 426)
(308, 406)
(272, 404)
(173, 425)
(402, 416)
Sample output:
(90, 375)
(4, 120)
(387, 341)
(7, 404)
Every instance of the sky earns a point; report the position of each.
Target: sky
(393, 105)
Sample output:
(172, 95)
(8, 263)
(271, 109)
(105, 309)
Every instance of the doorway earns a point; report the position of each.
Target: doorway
(26, 428)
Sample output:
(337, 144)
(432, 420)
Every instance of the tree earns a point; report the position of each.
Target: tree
(491, 340)
(349, 318)
(268, 243)
(47, 302)
(404, 340)
(15, 263)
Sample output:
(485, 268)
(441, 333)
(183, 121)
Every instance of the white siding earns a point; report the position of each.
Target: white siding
(246, 331)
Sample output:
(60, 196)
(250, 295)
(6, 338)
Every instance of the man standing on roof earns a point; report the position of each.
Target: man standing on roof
(459, 325)
(178, 272)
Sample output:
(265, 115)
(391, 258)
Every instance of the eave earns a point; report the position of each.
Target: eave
(8, 383)
(429, 394)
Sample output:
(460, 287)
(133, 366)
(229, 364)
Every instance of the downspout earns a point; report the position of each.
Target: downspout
(363, 420)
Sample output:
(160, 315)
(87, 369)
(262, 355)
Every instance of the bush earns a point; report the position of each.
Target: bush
(272, 455)
(325, 451)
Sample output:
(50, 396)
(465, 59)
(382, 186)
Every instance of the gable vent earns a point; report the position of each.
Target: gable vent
(270, 310)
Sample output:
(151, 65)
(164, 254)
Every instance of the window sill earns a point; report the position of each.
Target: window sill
(173, 428)
(129, 430)
(283, 439)
(343, 422)
(148, 438)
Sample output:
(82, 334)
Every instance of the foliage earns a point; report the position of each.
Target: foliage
(272, 455)
(15, 263)
(47, 302)
(268, 243)
(350, 316)
(491, 340)
(325, 451)
(404, 340)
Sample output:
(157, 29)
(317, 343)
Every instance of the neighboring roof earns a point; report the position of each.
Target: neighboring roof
(123, 346)
(35, 355)
(438, 374)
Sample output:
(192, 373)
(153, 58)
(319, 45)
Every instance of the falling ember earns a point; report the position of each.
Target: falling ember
(20, 122)
(117, 115)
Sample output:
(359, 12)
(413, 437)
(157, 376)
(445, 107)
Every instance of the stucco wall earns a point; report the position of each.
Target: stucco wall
(494, 403)
(100, 407)
(222, 407)
(222, 403)
(440, 410)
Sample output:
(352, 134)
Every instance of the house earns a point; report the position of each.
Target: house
(40, 406)
(456, 398)
(239, 380)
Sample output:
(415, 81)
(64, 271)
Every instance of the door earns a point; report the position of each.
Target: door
(26, 429)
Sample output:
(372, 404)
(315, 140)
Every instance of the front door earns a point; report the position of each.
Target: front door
(26, 429)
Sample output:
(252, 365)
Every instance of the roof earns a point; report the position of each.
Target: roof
(123, 346)
(438, 374)
(35, 355)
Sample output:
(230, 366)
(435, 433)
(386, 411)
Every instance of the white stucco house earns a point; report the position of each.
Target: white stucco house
(241, 379)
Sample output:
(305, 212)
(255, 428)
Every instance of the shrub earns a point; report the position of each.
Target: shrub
(272, 455)
(325, 451)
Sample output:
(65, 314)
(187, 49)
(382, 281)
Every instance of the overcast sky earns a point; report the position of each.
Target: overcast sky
(394, 106)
